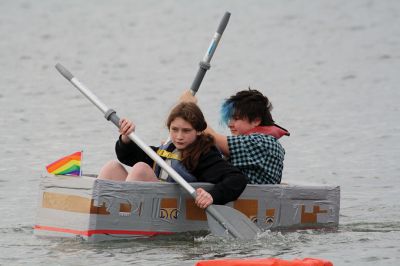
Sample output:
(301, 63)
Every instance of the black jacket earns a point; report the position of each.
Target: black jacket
(212, 168)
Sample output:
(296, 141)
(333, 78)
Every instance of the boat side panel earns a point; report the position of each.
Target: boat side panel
(295, 207)
(100, 209)
(159, 208)
(64, 206)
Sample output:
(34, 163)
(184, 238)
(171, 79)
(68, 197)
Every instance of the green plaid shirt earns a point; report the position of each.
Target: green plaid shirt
(259, 157)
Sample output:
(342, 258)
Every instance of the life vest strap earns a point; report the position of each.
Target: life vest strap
(168, 155)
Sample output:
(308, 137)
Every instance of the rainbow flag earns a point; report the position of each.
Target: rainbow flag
(68, 165)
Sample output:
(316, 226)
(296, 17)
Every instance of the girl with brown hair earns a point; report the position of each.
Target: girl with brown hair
(191, 153)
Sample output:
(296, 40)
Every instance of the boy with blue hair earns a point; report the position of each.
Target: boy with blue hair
(253, 147)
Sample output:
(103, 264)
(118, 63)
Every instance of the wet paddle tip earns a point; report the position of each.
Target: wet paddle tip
(63, 71)
(225, 221)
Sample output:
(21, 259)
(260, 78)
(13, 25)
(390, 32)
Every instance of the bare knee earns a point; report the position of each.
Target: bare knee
(113, 170)
(141, 172)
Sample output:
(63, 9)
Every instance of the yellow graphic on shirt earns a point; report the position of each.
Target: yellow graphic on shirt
(169, 155)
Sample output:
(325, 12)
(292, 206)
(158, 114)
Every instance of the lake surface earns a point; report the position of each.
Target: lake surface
(330, 69)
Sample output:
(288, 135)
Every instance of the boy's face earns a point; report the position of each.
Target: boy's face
(239, 126)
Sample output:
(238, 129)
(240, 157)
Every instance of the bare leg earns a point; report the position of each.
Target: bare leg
(113, 170)
(142, 172)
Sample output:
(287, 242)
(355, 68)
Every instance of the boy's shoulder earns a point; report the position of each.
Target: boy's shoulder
(254, 137)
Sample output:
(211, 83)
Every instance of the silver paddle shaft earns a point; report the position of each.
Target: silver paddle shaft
(205, 64)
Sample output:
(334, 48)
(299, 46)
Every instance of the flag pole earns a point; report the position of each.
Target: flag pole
(80, 169)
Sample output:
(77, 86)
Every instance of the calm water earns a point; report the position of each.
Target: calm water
(329, 67)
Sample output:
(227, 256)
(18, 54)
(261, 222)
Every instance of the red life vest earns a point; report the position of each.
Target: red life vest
(275, 131)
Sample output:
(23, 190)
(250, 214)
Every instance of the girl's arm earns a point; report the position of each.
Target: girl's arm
(127, 151)
(229, 181)
(130, 153)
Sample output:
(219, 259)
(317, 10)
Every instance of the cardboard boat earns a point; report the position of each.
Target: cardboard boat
(98, 210)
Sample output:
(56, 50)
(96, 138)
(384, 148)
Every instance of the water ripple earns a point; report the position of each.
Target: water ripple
(371, 227)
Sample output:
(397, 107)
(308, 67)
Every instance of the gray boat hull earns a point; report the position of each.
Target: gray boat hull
(97, 210)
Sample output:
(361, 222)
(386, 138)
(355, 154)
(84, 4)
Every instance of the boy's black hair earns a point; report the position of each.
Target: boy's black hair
(251, 104)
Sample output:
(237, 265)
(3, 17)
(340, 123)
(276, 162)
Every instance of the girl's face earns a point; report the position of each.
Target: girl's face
(182, 133)
(239, 126)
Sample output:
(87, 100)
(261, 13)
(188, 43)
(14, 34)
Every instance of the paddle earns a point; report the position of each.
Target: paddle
(222, 220)
(205, 64)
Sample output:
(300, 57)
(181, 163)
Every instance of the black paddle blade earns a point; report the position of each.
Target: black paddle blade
(225, 221)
